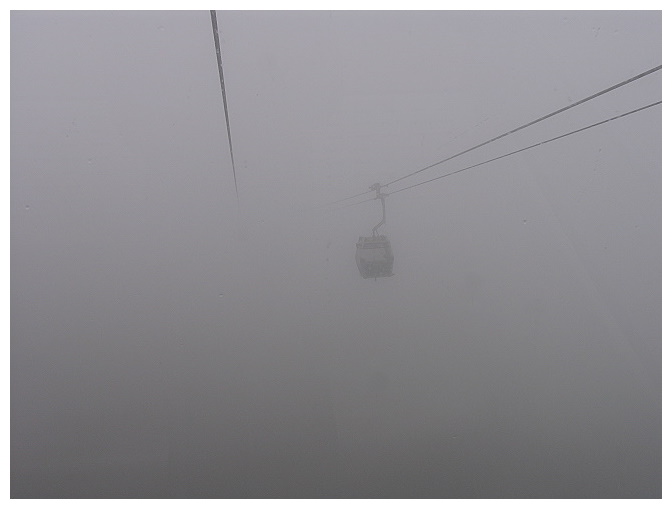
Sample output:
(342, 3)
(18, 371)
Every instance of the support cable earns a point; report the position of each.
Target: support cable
(215, 33)
(526, 148)
(586, 99)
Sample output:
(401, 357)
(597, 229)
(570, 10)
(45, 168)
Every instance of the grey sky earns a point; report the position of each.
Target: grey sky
(166, 343)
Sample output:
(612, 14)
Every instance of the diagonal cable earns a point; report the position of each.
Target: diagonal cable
(586, 99)
(348, 198)
(528, 147)
(215, 33)
(356, 203)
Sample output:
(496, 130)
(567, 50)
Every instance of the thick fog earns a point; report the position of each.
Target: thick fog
(168, 341)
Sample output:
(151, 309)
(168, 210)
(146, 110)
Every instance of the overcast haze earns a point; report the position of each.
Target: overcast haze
(169, 342)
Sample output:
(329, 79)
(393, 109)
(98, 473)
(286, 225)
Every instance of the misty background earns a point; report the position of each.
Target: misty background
(167, 341)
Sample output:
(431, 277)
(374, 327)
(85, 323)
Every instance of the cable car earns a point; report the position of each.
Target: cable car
(374, 254)
(374, 257)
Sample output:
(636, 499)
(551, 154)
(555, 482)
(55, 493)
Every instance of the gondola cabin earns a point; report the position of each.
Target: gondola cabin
(374, 257)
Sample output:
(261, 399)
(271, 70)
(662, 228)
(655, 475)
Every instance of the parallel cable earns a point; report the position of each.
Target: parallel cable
(215, 33)
(348, 198)
(356, 203)
(602, 92)
(526, 148)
